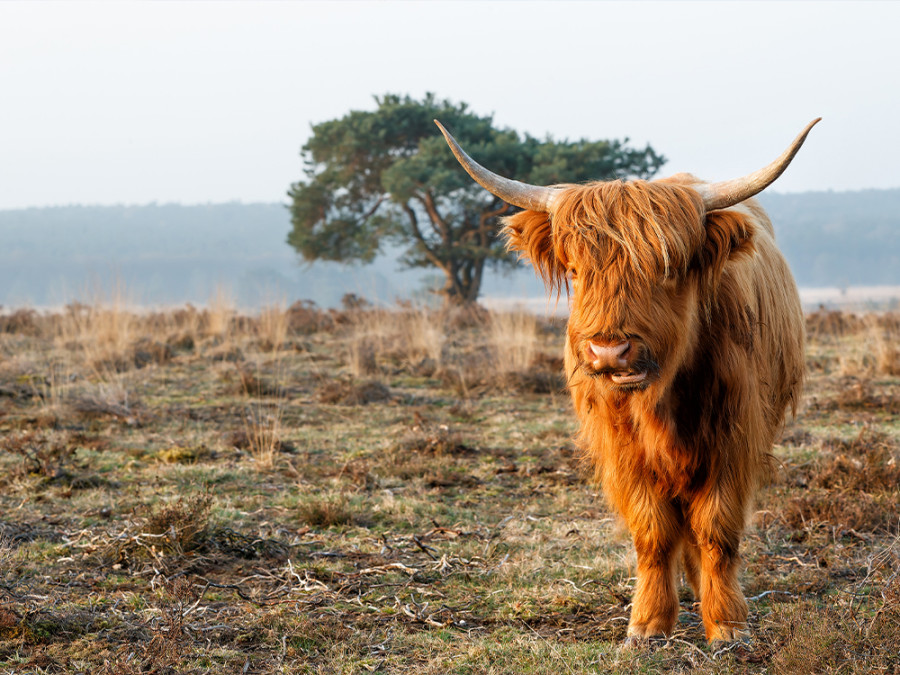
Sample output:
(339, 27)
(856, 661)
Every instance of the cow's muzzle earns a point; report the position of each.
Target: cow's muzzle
(627, 363)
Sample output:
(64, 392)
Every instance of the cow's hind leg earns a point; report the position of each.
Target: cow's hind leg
(656, 531)
(717, 532)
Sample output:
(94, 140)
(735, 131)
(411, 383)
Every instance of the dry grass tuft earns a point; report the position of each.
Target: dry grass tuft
(326, 511)
(42, 453)
(513, 337)
(272, 327)
(868, 463)
(425, 335)
(262, 434)
(885, 336)
(859, 636)
(851, 484)
(246, 382)
(847, 511)
(218, 317)
(185, 520)
(346, 393)
(433, 439)
(109, 398)
(304, 318)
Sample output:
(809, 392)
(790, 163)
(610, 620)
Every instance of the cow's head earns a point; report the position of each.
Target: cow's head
(642, 260)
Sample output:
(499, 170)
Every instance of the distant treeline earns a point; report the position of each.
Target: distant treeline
(172, 254)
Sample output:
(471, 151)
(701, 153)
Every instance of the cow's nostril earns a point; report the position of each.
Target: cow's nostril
(609, 356)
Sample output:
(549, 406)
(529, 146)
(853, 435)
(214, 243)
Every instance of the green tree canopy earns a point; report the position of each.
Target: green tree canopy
(387, 176)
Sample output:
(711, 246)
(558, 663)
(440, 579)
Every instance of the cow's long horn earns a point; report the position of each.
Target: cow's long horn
(730, 192)
(511, 191)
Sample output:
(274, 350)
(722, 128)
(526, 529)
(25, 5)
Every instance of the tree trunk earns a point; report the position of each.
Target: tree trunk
(463, 286)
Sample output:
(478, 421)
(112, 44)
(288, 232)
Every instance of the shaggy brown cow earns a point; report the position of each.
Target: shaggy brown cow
(684, 349)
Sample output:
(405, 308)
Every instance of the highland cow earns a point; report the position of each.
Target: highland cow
(684, 349)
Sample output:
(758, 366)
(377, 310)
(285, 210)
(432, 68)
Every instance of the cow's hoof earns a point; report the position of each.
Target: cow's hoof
(639, 643)
(724, 635)
(634, 643)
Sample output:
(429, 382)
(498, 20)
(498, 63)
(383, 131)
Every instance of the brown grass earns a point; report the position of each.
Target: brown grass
(325, 511)
(405, 523)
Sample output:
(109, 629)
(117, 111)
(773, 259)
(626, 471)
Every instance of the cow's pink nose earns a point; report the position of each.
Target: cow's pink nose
(608, 356)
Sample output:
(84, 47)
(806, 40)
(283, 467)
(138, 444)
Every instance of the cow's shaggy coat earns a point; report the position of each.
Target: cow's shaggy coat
(718, 317)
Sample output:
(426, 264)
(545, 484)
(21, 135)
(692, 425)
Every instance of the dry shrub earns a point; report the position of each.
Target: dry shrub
(474, 374)
(870, 462)
(428, 452)
(21, 322)
(171, 529)
(181, 327)
(851, 484)
(226, 353)
(361, 357)
(466, 317)
(346, 393)
(164, 651)
(465, 376)
(847, 510)
(831, 323)
(305, 318)
(411, 338)
(545, 376)
(857, 394)
(432, 470)
(245, 439)
(147, 351)
(356, 471)
(186, 520)
(856, 637)
(326, 511)
(46, 454)
(103, 333)
(107, 399)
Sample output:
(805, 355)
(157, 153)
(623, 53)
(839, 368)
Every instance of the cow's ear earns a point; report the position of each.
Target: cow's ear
(531, 234)
(729, 234)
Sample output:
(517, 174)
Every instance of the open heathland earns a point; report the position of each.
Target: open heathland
(371, 490)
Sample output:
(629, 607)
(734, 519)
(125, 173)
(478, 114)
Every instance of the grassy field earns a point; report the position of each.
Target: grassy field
(371, 491)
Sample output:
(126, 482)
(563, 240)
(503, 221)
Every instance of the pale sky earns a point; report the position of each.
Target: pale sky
(194, 102)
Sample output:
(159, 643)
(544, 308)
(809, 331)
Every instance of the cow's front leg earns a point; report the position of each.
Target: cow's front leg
(717, 525)
(656, 531)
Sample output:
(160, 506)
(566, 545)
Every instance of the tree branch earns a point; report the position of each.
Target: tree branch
(439, 224)
(483, 228)
(417, 234)
(371, 212)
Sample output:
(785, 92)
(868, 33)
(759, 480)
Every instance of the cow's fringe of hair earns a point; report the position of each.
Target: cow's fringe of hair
(638, 232)
(657, 226)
